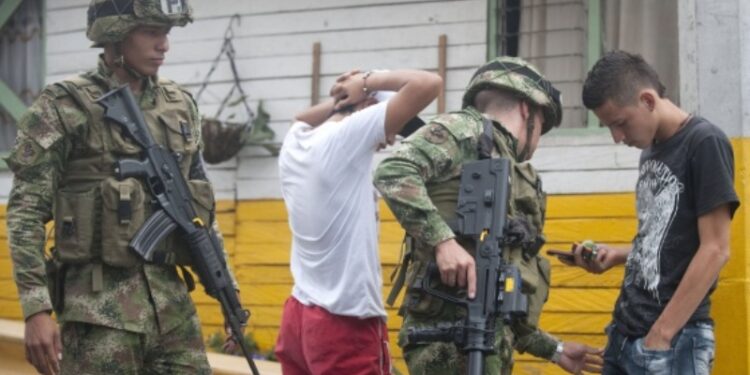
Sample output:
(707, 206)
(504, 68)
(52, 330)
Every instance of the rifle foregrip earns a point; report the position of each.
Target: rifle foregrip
(153, 231)
(211, 268)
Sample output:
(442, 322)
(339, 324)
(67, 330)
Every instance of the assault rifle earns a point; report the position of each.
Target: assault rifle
(481, 212)
(161, 172)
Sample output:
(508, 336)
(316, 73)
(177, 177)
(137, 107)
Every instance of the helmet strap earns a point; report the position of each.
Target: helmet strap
(119, 61)
(522, 156)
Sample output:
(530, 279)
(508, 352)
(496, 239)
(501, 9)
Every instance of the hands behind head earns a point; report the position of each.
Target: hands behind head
(349, 89)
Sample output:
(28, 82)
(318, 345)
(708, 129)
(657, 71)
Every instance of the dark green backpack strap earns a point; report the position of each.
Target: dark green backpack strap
(486, 142)
(398, 277)
(188, 278)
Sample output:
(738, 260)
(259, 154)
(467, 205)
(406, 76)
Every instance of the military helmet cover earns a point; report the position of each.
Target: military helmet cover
(515, 74)
(110, 21)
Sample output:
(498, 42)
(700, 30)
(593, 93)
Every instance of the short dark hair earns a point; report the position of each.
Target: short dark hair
(618, 76)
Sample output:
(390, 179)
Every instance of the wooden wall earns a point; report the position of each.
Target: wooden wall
(591, 180)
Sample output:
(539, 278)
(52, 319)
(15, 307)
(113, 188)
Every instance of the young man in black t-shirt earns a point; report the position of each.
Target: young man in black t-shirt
(685, 202)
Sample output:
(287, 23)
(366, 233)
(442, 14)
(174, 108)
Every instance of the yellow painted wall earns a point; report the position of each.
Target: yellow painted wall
(258, 240)
(578, 309)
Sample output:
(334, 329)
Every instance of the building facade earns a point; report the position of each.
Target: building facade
(289, 52)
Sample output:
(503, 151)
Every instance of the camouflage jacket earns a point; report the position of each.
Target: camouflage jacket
(411, 180)
(52, 130)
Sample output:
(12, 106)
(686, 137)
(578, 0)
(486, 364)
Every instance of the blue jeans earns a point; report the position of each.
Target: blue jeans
(692, 353)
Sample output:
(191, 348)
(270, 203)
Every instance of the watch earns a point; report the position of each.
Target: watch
(558, 353)
(366, 90)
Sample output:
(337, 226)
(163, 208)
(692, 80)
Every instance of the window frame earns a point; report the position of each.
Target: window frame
(594, 46)
(9, 100)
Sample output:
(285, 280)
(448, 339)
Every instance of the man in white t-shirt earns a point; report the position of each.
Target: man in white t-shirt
(334, 322)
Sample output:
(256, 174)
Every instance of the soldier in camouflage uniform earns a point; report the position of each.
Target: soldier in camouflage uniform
(118, 315)
(420, 180)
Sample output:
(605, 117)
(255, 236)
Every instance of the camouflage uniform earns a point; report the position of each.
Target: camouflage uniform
(118, 314)
(419, 181)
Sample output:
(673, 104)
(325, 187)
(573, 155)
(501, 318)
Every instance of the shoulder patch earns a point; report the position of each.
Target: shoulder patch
(436, 134)
(27, 152)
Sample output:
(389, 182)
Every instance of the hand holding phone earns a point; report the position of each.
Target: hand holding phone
(562, 255)
(588, 253)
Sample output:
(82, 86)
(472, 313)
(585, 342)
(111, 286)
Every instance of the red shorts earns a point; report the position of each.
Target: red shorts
(313, 341)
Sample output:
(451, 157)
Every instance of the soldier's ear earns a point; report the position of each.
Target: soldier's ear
(525, 110)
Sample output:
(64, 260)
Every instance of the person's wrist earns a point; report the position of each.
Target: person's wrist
(369, 90)
(38, 314)
(444, 243)
(557, 354)
(366, 90)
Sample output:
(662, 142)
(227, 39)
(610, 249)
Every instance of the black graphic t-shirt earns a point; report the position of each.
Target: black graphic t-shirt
(679, 180)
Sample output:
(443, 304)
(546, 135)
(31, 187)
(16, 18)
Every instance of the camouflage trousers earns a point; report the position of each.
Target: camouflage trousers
(94, 349)
(441, 358)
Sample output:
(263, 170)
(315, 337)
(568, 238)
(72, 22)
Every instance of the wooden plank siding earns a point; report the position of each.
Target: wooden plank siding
(273, 42)
(579, 306)
(258, 243)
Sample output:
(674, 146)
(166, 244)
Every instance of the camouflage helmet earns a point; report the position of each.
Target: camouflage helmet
(515, 74)
(110, 21)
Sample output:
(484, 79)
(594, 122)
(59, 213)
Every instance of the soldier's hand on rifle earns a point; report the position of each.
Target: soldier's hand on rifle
(577, 358)
(456, 265)
(230, 342)
(230, 345)
(43, 344)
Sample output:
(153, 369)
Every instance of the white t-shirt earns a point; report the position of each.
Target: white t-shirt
(326, 181)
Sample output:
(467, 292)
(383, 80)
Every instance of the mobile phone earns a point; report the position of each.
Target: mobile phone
(564, 254)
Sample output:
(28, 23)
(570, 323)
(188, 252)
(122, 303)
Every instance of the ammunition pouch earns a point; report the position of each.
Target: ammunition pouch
(123, 213)
(98, 224)
(535, 273)
(75, 219)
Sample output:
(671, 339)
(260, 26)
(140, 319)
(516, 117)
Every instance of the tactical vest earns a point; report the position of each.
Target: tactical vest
(95, 214)
(526, 208)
